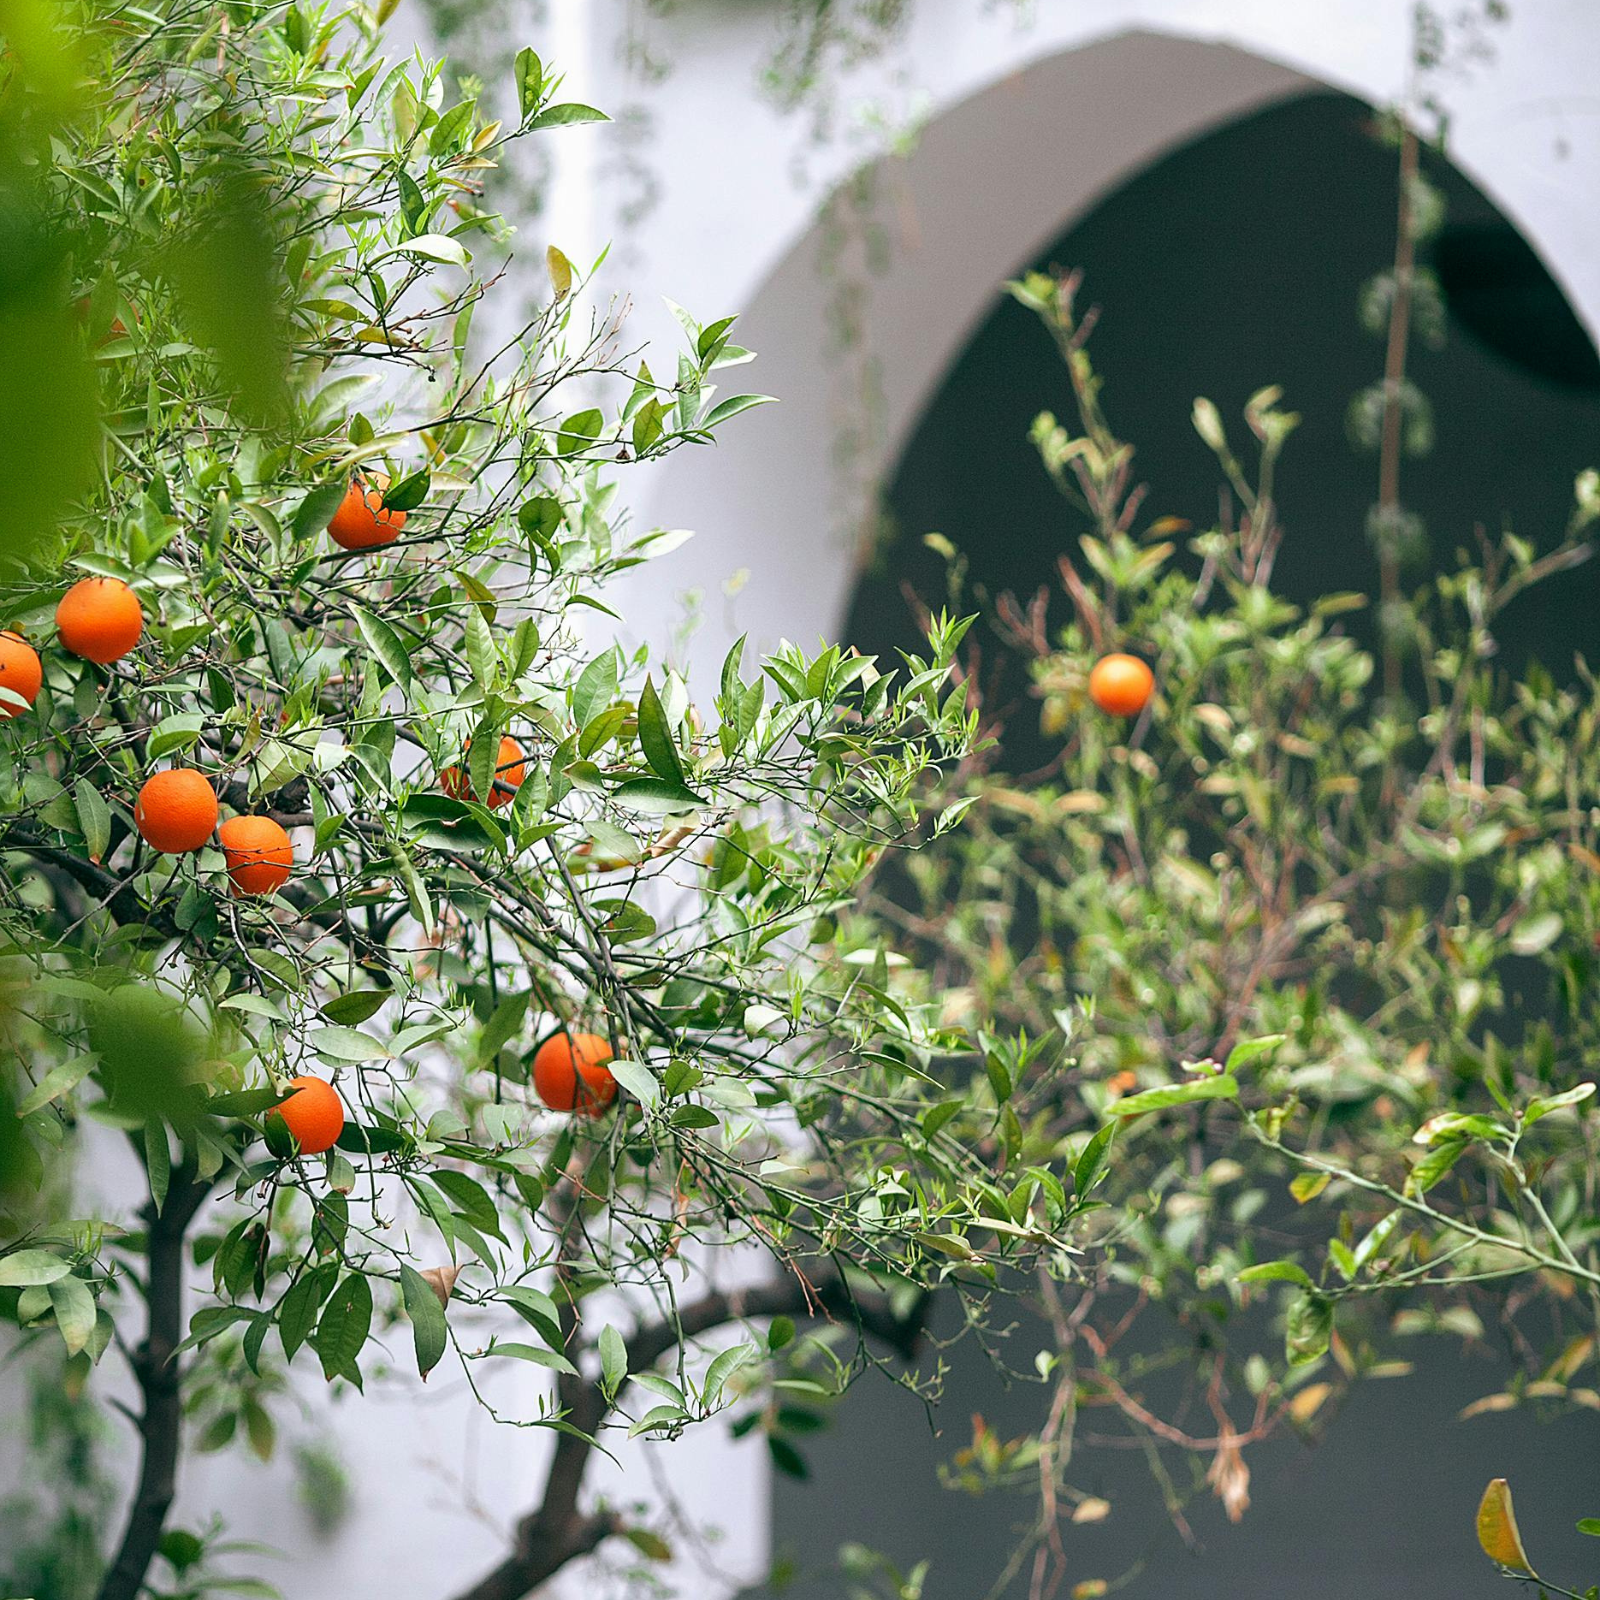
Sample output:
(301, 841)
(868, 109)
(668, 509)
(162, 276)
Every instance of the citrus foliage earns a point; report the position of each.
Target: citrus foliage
(1325, 958)
(256, 238)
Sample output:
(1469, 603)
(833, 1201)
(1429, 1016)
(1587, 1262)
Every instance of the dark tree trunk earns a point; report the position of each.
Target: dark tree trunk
(556, 1532)
(156, 1368)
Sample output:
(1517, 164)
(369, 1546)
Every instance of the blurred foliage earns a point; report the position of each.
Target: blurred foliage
(52, 1529)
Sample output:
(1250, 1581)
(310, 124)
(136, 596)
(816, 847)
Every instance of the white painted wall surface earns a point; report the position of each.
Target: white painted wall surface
(1026, 123)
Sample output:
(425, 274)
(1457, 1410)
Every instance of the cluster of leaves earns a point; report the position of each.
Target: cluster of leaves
(1325, 953)
(257, 240)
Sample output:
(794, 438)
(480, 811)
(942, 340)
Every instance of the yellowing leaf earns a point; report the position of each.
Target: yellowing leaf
(1497, 1528)
(1308, 1401)
(560, 272)
(1308, 1185)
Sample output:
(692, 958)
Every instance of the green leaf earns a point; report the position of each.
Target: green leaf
(55, 1083)
(94, 818)
(613, 1359)
(638, 1080)
(655, 797)
(786, 1458)
(723, 1367)
(74, 1307)
(429, 1333)
(596, 687)
(1543, 1105)
(343, 1327)
(1087, 1172)
(366, 1141)
(1435, 1165)
(482, 657)
(662, 1417)
(315, 512)
(29, 1268)
(581, 429)
(564, 116)
(244, 1102)
(552, 1359)
(999, 1078)
(346, 1044)
(530, 81)
(648, 425)
(1590, 1526)
(469, 1197)
(385, 644)
(780, 1333)
(504, 1023)
(157, 1161)
(349, 1010)
(1249, 1049)
(733, 406)
(537, 1309)
(1309, 1329)
(297, 1311)
(650, 1545)
(1306, 1186)
(624, 921)
(1223, 1086)
(1276, 1272)
(655, 736)
(612, 843)
(431, 247)
(176, 733)
(409, 492)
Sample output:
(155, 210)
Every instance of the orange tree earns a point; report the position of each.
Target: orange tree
(442, 966)
(1322, 955)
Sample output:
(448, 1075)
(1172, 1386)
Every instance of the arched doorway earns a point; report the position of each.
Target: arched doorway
(1235, 262)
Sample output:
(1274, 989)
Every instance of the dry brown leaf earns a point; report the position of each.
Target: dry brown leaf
(442, 1280)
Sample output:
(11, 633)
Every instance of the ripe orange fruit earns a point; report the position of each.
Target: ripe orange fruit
(510, 770)
(176, 811)
(99, 619)
(20, 671)
(570, 1073)
(259, 854)
(1121, 685)
(314, 1114)
(361, 523)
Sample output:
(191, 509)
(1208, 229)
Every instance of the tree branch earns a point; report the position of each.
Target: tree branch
(557, 1532)
(156, 1369)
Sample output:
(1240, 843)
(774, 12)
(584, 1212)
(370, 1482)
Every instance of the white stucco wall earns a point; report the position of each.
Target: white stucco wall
(1026, 123)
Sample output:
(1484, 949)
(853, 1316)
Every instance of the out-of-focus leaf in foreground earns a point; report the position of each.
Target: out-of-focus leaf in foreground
(48, 431)
(227, 272)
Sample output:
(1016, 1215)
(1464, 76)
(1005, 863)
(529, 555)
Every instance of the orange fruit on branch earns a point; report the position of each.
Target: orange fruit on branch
(20, 671)
(176, 811)
(259, 854)
(313, 1114)
(511, 768)
(1121, 685)
(99, 619)
(361, 523)
(570, 1073)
